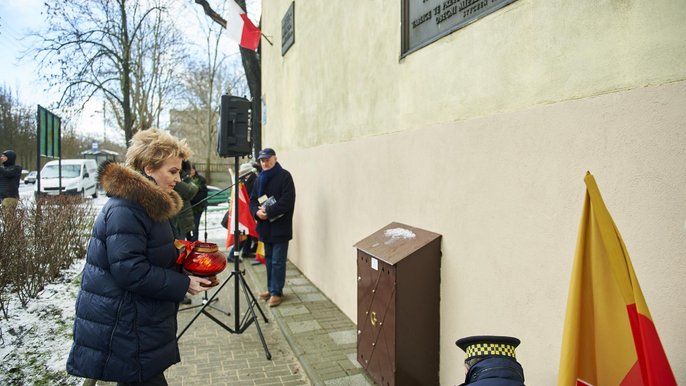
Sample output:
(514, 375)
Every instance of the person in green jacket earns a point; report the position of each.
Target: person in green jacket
(183, 222)
(198, 202)
(187, 190)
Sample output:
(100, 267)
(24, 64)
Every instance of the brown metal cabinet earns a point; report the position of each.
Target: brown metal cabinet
(398, 305)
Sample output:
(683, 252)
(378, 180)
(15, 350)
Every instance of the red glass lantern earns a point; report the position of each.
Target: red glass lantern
(206, 261)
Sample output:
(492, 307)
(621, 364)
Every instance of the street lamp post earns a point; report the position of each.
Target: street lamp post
(104, 121)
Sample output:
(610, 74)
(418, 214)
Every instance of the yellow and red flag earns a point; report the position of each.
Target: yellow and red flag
(259, 253)
(246, 223)
(609, 336)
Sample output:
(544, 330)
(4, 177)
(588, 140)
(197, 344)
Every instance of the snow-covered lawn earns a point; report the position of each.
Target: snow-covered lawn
(35, 341)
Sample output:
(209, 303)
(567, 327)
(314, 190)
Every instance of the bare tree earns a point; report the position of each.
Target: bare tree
(197, 119)
(251, 67)
(207, 97)
(17, 128)
(18, 132)
(253, 75)
(124, 50)
(155, 75)
(204, 83)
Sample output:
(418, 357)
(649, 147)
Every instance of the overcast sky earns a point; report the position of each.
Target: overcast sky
(19, 17)
(16, 17)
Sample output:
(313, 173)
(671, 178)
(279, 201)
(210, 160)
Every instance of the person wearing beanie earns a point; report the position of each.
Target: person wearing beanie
(491, 361)
(10, 174)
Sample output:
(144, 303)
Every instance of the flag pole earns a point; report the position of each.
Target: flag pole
(266, 38)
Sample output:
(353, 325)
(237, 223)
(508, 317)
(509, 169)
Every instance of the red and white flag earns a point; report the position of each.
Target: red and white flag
(239, 27)
(246, 223)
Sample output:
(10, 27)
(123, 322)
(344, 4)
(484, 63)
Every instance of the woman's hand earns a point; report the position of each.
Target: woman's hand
(196, 285)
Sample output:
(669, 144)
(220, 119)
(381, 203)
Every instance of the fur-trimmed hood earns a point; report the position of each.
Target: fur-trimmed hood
(123, 182)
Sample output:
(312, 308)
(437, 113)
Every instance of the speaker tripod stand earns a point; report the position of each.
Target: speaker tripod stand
(240, 285)
(204, 300)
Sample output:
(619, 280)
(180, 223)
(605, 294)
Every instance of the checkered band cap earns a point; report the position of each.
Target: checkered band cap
(488, 345)
(490, 349)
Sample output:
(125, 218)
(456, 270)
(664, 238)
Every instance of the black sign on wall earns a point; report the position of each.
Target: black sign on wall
(425, 21)
(288, 29)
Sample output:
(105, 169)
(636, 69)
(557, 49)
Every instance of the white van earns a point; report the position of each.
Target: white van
(79, 176)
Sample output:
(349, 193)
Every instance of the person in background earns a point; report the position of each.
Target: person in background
(198, 207)
(272, 203)
(10, 174)
(250, 246)
(491, 361)
(183, 222)
(187, 190)
(125, 325)
(247, 244)
(250, 178)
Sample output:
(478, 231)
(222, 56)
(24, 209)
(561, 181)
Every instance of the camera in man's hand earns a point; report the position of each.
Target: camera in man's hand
(185, 169)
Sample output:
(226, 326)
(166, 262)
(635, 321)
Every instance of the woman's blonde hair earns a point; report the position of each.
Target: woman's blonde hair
(152, 147)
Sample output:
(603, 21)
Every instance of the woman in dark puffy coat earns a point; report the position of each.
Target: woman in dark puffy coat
(125, 325)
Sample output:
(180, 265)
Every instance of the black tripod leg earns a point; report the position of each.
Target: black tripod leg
(204, 214)
(254, 299)
(204, 300)
(250, 316)
(251, 307)
(255, 302)
(205, 305)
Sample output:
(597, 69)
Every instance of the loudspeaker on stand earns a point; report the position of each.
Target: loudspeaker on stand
(233, 137)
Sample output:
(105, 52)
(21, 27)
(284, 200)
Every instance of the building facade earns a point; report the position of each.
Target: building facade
(484, 135)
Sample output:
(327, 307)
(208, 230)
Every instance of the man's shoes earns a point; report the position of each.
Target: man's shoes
(186, 300)
(264, 295)
(275, 300)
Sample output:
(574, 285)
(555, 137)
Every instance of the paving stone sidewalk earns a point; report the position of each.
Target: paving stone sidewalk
(320, 335)
(310, 340)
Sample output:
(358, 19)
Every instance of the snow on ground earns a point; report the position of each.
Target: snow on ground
(35, 341)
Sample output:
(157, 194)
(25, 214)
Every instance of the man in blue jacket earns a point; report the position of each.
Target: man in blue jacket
(272, 202)
(491, 361)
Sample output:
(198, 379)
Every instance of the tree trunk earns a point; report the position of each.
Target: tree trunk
(126, 77)
(251, 65)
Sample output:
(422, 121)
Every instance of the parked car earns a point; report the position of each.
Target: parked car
(215, 197)
(30, 178)
(78, 176)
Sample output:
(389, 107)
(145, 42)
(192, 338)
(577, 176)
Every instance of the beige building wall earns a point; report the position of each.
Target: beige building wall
(484, 137)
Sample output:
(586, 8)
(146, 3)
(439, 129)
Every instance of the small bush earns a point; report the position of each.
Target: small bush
(37, 241)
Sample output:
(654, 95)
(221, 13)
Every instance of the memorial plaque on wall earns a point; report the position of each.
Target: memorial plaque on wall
(425, 21)
(288, 29)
